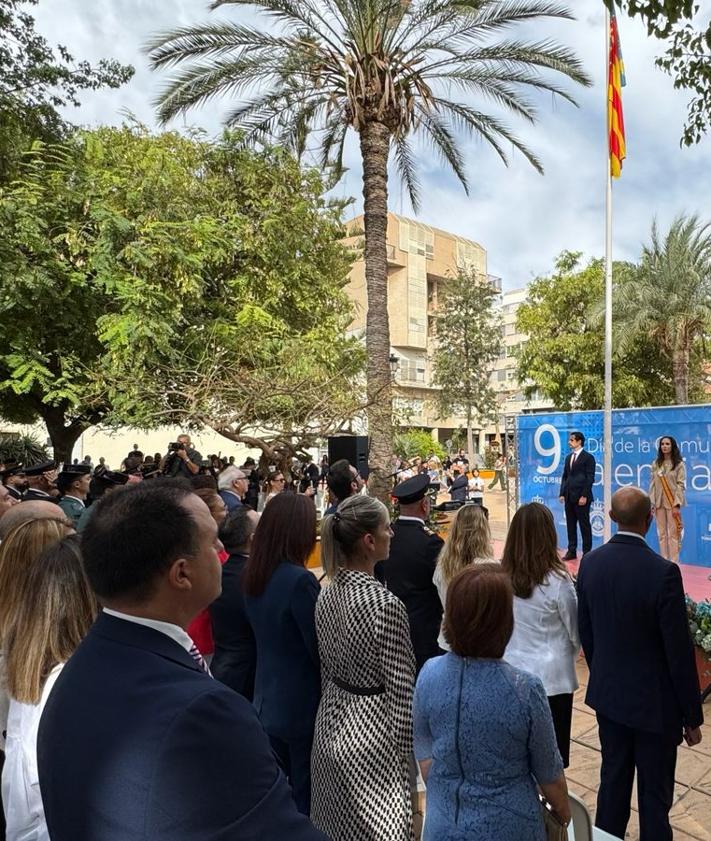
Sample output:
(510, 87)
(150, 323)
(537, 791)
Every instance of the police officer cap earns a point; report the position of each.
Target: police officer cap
(39, 469)
(11, 469)
(411, 490)
(112, 477)
(74, 470)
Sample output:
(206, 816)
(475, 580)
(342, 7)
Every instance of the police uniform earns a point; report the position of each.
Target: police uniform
(34, 494)
(408, 571)
(72, 506)
(105, 481)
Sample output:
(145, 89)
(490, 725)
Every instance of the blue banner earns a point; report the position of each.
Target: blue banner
(542, 444)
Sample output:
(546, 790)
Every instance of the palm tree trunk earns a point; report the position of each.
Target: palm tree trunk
(374, 147)
(680, 369)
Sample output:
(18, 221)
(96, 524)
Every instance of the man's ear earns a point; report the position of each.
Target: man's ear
(178, 575)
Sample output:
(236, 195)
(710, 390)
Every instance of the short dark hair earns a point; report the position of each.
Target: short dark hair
(578, 436)
(203, 480)
(236, 529)
(286, 534)
(339, 479)
(478, 619)
(135, 534)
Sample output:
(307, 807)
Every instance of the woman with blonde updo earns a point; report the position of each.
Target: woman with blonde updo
(363, 739)
(469, 542)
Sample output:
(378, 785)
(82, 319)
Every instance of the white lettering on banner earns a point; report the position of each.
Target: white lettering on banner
(547, 452)
(701, 477)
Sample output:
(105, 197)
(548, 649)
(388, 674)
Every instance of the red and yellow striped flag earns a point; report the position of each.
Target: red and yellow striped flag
(615, 83)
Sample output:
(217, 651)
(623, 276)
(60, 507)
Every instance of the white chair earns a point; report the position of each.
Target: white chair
(580, 818)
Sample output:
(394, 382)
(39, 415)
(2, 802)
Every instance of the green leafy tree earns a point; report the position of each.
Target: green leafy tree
(24, 449)
(410, 443)
(687, 58)
(36, 79)
(468, 339)
(564, 354)
(669, 298)
(387, 70)
(129, 263)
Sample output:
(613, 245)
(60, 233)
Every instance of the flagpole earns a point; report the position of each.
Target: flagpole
(607, 414)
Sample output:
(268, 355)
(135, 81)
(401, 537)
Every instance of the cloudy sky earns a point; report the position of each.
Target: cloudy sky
(523, 219)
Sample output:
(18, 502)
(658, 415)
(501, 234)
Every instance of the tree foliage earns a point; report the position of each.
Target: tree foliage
(410, 443)
(687, 58)
(36, 79)
(468, 339)
(126, 257)
(669, 298)
(564, 354)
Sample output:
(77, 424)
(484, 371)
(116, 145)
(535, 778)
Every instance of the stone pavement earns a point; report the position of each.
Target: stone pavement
(691, 812)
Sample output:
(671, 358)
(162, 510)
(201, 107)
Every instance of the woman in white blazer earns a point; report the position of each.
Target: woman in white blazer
(545, 639)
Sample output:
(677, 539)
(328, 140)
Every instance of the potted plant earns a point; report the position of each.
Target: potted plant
(699, 614)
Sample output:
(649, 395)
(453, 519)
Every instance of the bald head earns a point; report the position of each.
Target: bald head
(631, 509)
(26, 511)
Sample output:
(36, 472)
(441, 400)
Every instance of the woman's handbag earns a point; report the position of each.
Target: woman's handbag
(555, 829)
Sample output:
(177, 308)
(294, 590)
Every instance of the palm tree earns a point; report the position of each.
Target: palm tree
(669, 297)
(386, 69)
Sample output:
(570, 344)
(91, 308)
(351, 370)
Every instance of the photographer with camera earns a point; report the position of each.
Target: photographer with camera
(182, 459)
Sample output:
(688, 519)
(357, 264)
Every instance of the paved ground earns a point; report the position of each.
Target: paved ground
(691, 813)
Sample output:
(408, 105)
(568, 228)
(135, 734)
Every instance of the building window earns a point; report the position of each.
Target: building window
(411, 371)
(408, 407)
(501, 376)
(509, 329)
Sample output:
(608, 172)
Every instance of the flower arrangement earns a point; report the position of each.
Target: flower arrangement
(699, 615)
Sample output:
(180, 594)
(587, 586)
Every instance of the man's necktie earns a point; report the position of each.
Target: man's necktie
(572, 460)
(198, 658)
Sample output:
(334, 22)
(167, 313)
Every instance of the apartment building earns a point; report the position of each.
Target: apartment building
(504, 381)
(420, 259)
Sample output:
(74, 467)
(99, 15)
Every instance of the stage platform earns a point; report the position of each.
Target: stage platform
(696, 579)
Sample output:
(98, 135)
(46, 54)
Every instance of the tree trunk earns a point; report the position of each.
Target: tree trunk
(680, 368)
(62, 435)
(470, 439)
(374, 147)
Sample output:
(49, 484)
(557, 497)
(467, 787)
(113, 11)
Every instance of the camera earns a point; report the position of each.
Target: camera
(174, 446)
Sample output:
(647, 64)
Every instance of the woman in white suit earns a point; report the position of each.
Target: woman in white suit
(545, 639)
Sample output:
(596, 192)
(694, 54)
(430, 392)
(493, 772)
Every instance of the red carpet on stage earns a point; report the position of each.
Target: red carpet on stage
(696, 579)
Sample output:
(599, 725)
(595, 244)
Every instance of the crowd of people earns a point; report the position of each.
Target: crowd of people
(172, 668)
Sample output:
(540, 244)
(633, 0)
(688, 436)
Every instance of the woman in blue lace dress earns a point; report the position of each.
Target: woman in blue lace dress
(484, 735)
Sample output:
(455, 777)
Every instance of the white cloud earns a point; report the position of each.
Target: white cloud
(522, 219)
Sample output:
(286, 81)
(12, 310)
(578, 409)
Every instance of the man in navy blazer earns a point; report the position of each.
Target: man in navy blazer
(643, 683)
(137, 740)
(576, 493)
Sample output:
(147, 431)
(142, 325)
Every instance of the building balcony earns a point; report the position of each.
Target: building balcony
(393, 259)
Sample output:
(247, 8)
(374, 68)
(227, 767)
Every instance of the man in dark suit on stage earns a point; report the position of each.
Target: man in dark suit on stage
(137, 740)
(409, 569)
(576, 494)
(643, 683)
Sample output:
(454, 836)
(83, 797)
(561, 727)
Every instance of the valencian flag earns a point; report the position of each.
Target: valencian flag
(615, 83)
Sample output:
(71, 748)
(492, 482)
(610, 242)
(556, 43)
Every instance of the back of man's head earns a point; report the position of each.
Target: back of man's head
(631, 509)
(239, 525)
(136, 534)
(340, 479)
(24, 512)
(227, 477)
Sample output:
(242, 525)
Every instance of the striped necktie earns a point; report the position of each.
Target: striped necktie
(198, 658)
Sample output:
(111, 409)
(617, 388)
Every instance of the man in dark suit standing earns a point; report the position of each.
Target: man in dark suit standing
(137, 739)
(411, 564)
(235, 660)
(643, 683)
(576, 494)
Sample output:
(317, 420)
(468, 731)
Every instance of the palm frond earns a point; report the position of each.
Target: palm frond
(407, 169)
(443, 141)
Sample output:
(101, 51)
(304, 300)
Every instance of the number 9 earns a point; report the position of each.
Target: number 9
(547, 452)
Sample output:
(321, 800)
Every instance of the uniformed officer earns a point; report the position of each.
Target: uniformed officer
(73, 484)
(101, 484)
(409, 569)
(42, 482)
(14, 479)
